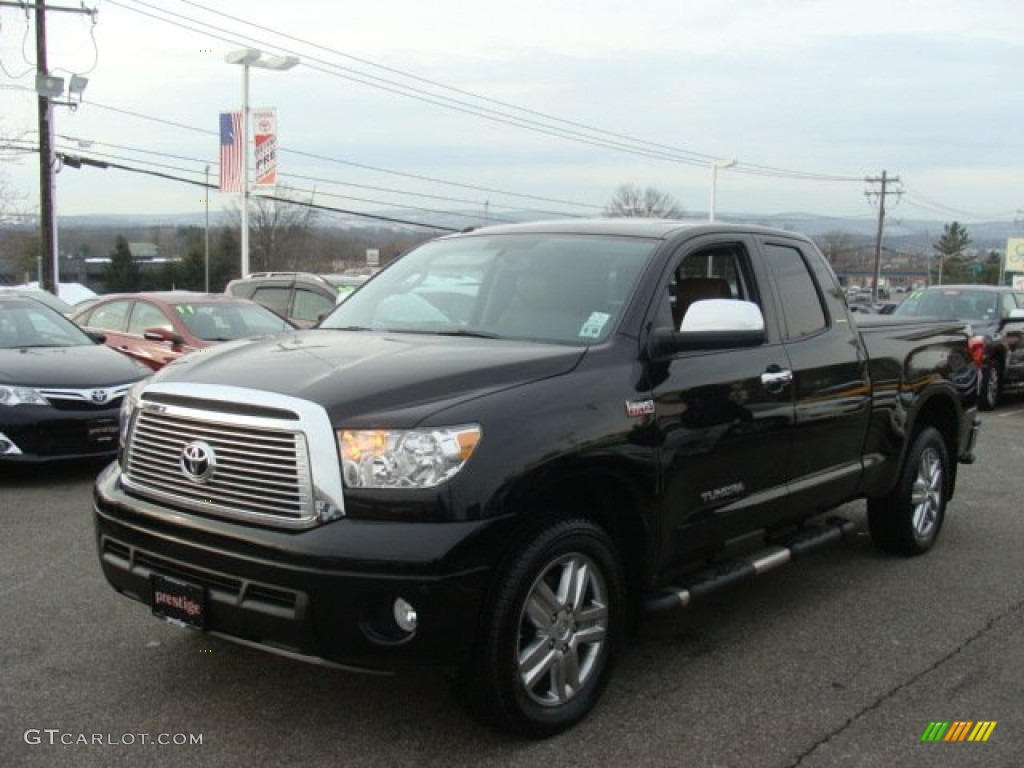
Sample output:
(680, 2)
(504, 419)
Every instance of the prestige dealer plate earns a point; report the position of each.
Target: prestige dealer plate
(178, 601)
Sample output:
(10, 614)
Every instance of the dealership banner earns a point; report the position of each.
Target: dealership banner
(264, 129)
(1014, 254)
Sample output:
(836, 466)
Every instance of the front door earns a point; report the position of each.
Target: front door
(724, 422)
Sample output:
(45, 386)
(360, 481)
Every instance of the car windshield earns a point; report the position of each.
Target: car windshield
(44, 297)
(555, 288)
(981, 306)
(222, 321)
(27, 323)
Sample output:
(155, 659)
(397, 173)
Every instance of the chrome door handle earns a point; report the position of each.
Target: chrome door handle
(776, 380)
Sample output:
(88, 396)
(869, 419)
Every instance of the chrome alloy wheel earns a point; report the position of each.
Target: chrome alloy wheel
(563, 630)
(927, 493)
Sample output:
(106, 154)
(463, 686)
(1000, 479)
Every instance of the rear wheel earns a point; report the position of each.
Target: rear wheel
(552, 634)
(907, 521)
(990, 384)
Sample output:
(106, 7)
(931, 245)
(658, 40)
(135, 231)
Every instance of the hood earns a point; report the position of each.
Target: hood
(85, 367)
(358, 376)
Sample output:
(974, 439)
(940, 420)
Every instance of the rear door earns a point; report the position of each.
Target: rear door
(830, 377)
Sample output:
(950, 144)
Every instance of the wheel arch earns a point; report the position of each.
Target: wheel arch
(941, 411)
(596, 493)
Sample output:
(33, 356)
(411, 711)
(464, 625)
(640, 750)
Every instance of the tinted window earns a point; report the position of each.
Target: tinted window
(275, 298)
(801, 303)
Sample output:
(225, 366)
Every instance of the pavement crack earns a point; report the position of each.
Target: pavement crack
(892, 692)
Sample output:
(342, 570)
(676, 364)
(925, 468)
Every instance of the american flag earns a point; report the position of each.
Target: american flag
(231, 152)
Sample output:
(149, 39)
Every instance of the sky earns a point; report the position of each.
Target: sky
(503, 109)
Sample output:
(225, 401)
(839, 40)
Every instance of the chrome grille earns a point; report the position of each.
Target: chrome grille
(261, 474)
(95, 399)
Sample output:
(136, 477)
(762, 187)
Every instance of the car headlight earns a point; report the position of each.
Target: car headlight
(405, 458)
(21, 396)
(128, 406)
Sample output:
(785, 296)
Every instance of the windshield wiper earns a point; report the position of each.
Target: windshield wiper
(469, 333)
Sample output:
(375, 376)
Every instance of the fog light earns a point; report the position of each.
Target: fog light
(405, 615)
(8, 448)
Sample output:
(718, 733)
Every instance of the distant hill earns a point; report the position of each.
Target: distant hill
(911, 234)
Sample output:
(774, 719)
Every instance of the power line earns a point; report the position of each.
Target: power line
(75, 161)
(634, 146)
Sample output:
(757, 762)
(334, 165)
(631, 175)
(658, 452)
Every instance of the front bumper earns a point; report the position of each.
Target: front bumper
(42, 433)
(324, 594)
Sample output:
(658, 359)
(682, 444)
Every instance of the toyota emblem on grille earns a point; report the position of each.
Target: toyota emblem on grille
(99, 396)
(198, 461)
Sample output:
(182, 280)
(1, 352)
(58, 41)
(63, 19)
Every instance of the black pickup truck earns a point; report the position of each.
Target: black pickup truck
(512, 443)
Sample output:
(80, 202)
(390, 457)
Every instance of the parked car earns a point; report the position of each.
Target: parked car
(47, 298)
(60, 388)
(996, 317)
(302, 297)
(512, 442)
(156, 328)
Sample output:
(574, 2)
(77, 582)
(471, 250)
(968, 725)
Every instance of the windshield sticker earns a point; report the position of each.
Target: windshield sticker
(185, 309)
(594, 325)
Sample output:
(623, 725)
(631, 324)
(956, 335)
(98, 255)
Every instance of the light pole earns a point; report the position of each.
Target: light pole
(251, 57)
(206, 235)
(716, 166)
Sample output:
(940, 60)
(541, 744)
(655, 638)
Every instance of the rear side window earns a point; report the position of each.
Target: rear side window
(273, 298)
(801, 302)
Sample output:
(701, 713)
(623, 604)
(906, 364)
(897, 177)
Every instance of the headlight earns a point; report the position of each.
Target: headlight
(21, 396)
(405, 458)
(128, 406)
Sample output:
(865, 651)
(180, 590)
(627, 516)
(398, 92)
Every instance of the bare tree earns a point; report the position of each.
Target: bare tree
(649, 202)
(280, 229)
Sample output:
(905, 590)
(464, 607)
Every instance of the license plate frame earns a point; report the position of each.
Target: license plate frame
(179, 602)
(102, 430)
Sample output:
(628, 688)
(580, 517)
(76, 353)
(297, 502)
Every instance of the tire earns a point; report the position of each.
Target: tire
(988, 397)
(907, 521)
(545, 656)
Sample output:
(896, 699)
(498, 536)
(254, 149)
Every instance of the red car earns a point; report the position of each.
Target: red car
(156, 328)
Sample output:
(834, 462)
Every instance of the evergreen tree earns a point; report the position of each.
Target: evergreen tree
(122, 274)
(950, 250)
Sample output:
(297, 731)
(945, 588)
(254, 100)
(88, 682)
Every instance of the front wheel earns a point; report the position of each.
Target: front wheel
(552, 633)
(907, 521)
(990, 384)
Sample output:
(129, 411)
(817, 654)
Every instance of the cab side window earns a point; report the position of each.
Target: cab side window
(800, 301)
(716, 272)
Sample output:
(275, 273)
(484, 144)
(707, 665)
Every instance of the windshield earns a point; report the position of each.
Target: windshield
(555, 288)
(27, 323)
(960, 304)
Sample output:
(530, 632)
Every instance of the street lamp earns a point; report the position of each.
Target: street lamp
(49, 89)
(716, 166)
(251, 57)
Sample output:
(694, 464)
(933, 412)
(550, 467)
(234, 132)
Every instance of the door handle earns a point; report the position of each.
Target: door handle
(776, 379)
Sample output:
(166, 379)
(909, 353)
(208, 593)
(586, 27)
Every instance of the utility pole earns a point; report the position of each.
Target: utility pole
(884, 180)
(50, 272)
(47, 217)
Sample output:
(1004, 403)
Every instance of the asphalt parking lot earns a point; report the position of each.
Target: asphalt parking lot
(842, 659)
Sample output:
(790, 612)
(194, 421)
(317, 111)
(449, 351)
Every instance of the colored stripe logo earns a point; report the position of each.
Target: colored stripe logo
(958, 730)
